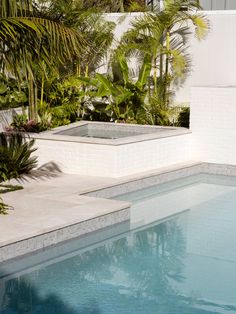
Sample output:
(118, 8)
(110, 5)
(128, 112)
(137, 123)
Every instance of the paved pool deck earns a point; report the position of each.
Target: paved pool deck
(55, 209)
(46, 207)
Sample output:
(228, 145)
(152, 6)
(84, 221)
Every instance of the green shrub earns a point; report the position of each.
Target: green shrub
(21, 123)
(10, 95)
(15, 156)
(183, 118)
(64, 114)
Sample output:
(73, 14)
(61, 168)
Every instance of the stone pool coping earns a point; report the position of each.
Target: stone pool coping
(163, 175)
(53, 134)
(48, 212)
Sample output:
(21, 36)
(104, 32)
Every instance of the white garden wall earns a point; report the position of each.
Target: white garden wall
(213, 124)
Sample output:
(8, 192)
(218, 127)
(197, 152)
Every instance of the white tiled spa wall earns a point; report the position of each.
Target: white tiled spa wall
(78, 158)
(147, 155)
(114, 161)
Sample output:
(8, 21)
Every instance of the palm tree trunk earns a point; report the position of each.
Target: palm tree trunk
(161, 65)
(35, 102)
(166, 77)
(122, 6)
(42, 91)
(33, 112)
(155, 75)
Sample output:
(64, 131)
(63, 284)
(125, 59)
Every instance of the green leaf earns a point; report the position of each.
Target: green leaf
(144, 72)
(3, 88)
(106, 84)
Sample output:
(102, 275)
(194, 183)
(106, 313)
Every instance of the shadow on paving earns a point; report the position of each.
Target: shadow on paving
(44, 172)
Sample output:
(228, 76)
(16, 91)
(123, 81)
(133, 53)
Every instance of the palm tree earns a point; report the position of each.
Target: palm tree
(27, 40)
(164, 36)
(98, 34)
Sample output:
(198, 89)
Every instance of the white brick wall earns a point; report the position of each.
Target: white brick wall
(78, 158)
(213, 123)
(149, 155)
(114, 161)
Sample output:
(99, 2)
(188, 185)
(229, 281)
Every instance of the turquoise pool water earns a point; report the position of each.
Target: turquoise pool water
(184, 264)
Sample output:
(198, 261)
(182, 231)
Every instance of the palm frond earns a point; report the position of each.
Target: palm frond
(26, 40)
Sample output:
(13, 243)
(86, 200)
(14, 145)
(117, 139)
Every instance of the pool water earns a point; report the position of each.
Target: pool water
(183, 264)
(111, 131)
(105, 134)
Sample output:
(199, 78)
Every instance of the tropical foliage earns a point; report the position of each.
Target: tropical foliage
(116, 5)
(117, 94)
(15, 161)
(158, 41)
(58, 93)
(64, 85)
(15, 156)
(92, 27)
(11, 94)
(27, 39)
(164, 37)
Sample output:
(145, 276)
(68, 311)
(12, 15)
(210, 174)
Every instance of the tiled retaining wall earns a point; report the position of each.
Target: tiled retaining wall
(213, 124)
(111, 160)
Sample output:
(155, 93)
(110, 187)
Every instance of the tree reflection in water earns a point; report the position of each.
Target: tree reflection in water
(132, 274)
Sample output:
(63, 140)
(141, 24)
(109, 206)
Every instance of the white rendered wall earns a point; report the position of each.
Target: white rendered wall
(214, 58)
(114, 161)
(213, 124)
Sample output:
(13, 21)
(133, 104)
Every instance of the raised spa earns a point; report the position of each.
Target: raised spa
(112, 149)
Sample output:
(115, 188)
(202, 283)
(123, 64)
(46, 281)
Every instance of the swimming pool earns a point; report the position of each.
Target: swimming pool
(182, 264)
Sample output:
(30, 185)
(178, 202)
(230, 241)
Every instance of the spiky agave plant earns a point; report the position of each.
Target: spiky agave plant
(15, 155)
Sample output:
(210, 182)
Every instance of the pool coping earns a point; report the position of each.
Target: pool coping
(118, 215)
(44, 240)
(163, 175)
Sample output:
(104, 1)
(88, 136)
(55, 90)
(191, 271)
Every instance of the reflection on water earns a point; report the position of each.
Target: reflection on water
(126, 275)
(157, 270)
